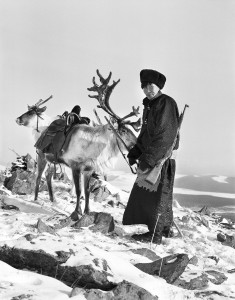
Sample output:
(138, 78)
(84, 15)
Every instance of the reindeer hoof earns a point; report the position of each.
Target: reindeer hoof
(75, 216)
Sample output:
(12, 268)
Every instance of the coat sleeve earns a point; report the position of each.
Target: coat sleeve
(165, 124)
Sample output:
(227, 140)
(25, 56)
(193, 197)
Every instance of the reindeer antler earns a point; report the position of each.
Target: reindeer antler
(40, 102)
(104, 91)
(135, 112)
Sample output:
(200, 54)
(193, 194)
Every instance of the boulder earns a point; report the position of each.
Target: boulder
(186, 219)
(111, 203)
(21, 182)
(227, 240)
(99, 191)
(169, 267)
(21, 177)
(76, 291)
(29, 236)
(30, 163)
(227, 225)
(104, 223)
(98, 222)
(231, 271)
(215, 258)
(205, 211)
(205, 222)
(9, 207)
(101, 194)
(2, 177)
(150, 254)
(124, 290)
(193, 260)
(221, 237)
(42, 227)
(30, 259)
(129, 291)
(216, 277)
(211, 295)
(88, 276)
(86, 220)
(193, 281)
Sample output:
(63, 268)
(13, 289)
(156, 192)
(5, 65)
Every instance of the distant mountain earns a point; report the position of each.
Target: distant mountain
(203, 200)
(209, 183)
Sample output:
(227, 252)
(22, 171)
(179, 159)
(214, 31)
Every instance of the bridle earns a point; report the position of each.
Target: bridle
(37, 110)
(118, 137)
(38, 114)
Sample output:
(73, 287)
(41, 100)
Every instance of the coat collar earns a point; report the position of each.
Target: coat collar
(147, 102)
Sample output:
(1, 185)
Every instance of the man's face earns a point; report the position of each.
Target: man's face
(150, 90)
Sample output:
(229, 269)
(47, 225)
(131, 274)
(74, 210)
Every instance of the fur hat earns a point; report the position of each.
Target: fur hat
(152, 76)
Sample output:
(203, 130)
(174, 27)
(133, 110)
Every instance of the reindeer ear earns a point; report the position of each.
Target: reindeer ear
(136, 125)
(42, 109)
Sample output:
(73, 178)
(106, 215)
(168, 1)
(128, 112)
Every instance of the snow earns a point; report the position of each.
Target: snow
(2, 168)
(193, 192)
(15, 282)
(198, 240)
(221, 179)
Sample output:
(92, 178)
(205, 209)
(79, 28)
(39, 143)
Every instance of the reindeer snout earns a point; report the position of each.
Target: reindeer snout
(18, 121)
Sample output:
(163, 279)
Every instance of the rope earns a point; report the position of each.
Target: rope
(124, 156)
(159, 274)
(37, 124)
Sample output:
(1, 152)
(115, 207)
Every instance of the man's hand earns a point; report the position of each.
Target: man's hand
(144, 167)
(133, 155)
(132, 161)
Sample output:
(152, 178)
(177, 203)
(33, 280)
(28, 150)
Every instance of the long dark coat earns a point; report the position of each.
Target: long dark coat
(150, 203)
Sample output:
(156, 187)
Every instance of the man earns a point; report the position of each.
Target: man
(152, 204)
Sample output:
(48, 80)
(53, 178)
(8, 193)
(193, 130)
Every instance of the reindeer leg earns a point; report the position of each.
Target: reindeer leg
(87, 193)
(77, 178)
(49, 174)
(73, 191)
(41, 164)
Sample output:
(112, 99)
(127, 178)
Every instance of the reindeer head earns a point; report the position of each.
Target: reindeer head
(30, 118)
(104, 91)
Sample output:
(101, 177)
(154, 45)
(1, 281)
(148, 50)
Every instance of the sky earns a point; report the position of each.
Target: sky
(54, 47)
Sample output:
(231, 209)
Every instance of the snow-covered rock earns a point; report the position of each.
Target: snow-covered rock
(112, 253)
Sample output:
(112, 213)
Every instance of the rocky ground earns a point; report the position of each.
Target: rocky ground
(43, 255)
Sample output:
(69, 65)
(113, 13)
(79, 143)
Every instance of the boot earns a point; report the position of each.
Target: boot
(147, 237)
(144, 237)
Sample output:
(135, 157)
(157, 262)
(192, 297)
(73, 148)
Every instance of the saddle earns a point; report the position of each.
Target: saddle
(52, 140)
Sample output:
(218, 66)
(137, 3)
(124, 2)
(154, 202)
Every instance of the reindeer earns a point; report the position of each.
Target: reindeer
(36, 119)
(89, 149)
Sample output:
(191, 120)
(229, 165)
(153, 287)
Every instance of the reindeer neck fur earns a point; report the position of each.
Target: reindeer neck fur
(94, 147)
